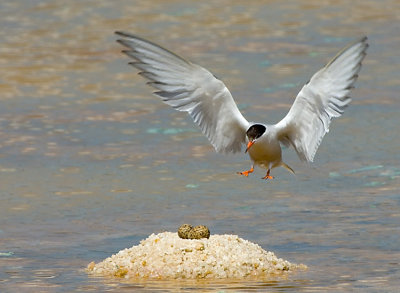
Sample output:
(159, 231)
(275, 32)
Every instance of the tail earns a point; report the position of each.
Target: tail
(287, 168)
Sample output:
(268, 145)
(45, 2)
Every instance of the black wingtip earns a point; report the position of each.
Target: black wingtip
(365, 41)
(123, 43)
(122, 34)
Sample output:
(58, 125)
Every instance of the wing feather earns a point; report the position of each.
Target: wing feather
(324, 97)
(190, 88)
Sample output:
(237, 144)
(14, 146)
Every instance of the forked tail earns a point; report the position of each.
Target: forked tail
(287, 168)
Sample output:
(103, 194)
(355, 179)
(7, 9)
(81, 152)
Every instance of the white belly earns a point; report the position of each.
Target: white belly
(266, 153)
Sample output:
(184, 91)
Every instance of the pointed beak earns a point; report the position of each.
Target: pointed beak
(249, 145)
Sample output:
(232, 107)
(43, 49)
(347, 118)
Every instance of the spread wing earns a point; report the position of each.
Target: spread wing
(324, 97)
(191, 88)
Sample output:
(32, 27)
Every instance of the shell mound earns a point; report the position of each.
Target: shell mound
(166, 256)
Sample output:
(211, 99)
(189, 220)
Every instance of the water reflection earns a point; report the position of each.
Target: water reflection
(90, 163)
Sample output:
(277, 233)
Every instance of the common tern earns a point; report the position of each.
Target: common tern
(191, 88)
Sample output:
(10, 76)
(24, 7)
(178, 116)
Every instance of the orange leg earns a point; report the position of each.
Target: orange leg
(268, 176)
(246, 173)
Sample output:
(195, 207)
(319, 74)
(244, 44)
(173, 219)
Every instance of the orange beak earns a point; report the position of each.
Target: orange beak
(249, 145)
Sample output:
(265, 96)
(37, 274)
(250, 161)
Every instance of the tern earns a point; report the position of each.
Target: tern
(191, 88)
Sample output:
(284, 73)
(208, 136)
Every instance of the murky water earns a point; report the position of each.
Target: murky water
(91, 163)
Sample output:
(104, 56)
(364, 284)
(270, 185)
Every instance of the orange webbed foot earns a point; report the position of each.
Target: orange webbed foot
(246, 173)
(268, 176)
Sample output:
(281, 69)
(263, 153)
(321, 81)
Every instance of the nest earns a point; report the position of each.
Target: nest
(167, 256)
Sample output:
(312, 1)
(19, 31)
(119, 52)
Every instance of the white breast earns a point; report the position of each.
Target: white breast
(266, 151)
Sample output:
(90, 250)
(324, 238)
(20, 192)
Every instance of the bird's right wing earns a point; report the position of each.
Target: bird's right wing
(191, 88)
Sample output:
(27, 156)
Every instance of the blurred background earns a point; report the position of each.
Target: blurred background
(91, 162)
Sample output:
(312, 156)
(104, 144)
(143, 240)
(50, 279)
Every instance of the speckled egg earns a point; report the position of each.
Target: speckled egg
(199, 232)
(183, 231)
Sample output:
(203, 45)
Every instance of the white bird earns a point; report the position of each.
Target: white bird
(193, 89)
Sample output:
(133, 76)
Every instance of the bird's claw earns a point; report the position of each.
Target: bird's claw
(268, 176)
(246, 173)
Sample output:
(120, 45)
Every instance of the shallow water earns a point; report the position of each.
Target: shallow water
(91, 163)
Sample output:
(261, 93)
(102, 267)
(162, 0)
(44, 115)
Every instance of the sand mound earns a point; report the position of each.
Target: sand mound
(166, 256)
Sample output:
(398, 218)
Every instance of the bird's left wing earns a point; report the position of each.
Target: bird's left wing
(191, 88)
(324, 97)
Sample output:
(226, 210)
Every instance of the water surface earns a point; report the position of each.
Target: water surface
(91, 163)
